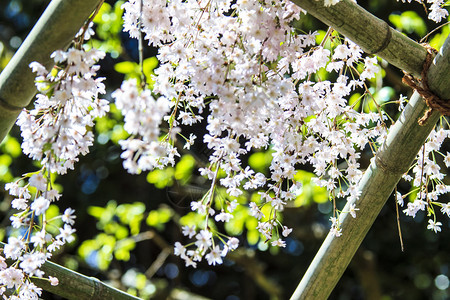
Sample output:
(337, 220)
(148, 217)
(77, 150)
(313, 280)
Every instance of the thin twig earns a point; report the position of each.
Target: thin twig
(159, 261)
(398, 223)
(141, 48)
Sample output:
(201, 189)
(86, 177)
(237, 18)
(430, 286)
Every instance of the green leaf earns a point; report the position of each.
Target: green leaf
(309, 192)
(55, 224)
(321, 74)
(149, 64)
(252, 237)
(355, 101)
(11, 146)
(384, 94)
(87, 247)
(260, 161)
(183, 169)
(123, 248)
(165, 215)
(132, 215)
(409, 22)
(236, 225)
(438, 40)
(127, 212)
(121, 232)
(157, 218)
(5, 160)
(192, 218)
(96, 211)
(104, 9)
(161, 178)
(118, 133)
(141, 281)
(126, 67)
(105, 124)
(103, 214)
(105, 253)
(396, 20)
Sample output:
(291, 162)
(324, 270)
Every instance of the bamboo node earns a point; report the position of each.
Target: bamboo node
(6, 106)
(433, 102)
(379, 163)
(386, 41)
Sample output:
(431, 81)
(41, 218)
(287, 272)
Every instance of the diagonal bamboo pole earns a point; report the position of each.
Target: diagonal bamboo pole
(76, 286)
(396, 154)
(54, 30)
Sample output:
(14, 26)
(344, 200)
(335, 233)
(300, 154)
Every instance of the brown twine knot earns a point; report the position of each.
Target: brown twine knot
(421, 86)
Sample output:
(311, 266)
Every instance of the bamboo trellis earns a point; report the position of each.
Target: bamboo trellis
(397, 153)
(63, 18)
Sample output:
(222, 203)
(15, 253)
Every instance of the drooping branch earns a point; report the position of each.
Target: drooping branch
(55, 30)
(394, 157)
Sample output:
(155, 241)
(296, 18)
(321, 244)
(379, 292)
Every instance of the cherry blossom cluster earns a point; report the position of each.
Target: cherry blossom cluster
(30, 245)
(256, 82)
(55, 132)
(427, 182)
(437, 12)
(143, 117)
(239, 68)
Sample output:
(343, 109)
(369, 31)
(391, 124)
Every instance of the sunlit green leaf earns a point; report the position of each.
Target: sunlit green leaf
(141, 281)
(157, 218)
(161, 178)
(184, 168)
(260, 161)
(11, 146)
(252, 237)
(126, 67)
(409, 22)
(355, 101)
(123, 248)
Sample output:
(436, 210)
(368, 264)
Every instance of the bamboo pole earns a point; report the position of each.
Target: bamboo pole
(75, 286)
(54, 30)
(392, 160)
(372, 34)
(403, 142)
